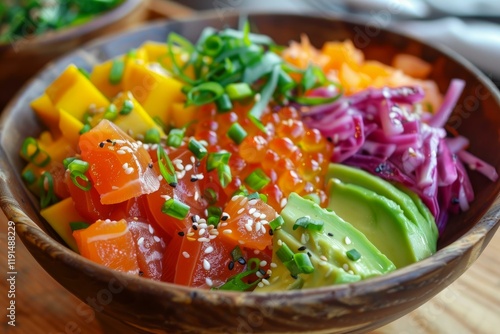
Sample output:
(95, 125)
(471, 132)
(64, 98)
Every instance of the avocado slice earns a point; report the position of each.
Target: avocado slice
(412, 206)
(381, 220)
(327, 249)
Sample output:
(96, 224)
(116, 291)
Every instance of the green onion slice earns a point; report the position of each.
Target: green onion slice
(127, 107)
(111, 112)
(152, 136)
(204, 93)
(116, 72)
(308, 223)
(236, 283)
(29, 176)
(214, 214)
(303, 263)
(47, 194)
(276, 222)
(353, 254)
(77, 169)
(257, 179)
(166, 167)
(175, 137)
(236, 253)
(33, 153)
(239, 90)
(198, 150)
(237, 133)
(175, 208)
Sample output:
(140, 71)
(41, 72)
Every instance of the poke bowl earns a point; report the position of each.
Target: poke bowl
(153, 306)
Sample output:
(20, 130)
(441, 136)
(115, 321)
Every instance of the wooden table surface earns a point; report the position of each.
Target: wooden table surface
(470, 305)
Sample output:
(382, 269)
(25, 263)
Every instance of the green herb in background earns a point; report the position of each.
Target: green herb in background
(23, 18)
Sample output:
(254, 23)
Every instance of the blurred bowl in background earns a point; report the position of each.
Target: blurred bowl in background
(23, 58)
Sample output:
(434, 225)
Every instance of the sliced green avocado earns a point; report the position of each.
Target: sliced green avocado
(412, 206)
(327, 248)
(381, 220)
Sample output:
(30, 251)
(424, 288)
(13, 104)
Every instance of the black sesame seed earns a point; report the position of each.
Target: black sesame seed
(224, 217)
(194, 179)
(195, 227)
(329, 139)
(302, 248)
(194, 219)
(173, 184)
(109, 140)
(262, 271)
(330, 234)
(294, 276)
(141, 273)
(242, 261)
(198, 163)
(230, 266)
(150, 165)
(181, 234)
(309, 254)
(271, 231)
(101, 144)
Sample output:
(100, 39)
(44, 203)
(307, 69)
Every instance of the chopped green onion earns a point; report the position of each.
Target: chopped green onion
(241, 191)
(257, 179)
(314, 100)
(67, 161)
(236, 253)
(210, 195)
(212, 46)
(174, 40)
(252, 196)
(77, 169)
(240, 35)
(111, 112)
(167, 170)
(47, 194)
(127, 107)
(198, 150)
(240, 90)
(236, 133)
(303, 262)
(284, 253)
(285, 82)
(152, 136)
(86, 128)
(214, 214)
(33, 153)
(293, 267)
(204, 93)
(236, 283)
(224, 173)
(353, 254)
(175, 209)
(216, 159)
(29, 177)
(265, 96)
(309, 79)
(224, 103)
(175, 137)
(78, 225)
(116, 72)
(263, 197)
(276, 222)
(308, 223)
(266, 64)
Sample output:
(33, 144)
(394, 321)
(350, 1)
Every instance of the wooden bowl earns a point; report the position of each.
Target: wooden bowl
(22, 59)
(161, 307)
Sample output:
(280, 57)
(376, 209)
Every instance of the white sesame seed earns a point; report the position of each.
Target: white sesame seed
(165, 197)
(209, 281)
(209, 250)
(201, 231)
(227, 231)
(263, 263)
(256, 251)
(177, 161)
(260, 285)
(121, 152)
(262, 216)
(252, 210)
(347, 240)
(263, 230)
(256, 214)
(244, 201)
(160, 177)
(248, 227)
(200, 176)
(206, 264)
(188, 167)
(240, 211)
(280, 243)
(193, 160)
(140, 241)
(202, 223)
(258, 226)
(264, 222)
(151, 230)
(303, 239)
(345, 266)
(180, 174)
(283, 202)
(351, 272)
(265, 281)
(235, 198)
(323, 258)
(212, 236)
(129, 170)
(156, 238)
(115, 187)
(252, 201)
(241, 242)
(259, 274)
(196, 195)
(125, 165)
(273, 265)
(190, 234)
(203, 239)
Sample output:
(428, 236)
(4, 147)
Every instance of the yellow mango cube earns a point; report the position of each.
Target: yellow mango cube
(59, 216)
(156, 92)
(70, 127)
(47, 113)
(182, 115)
(74, 93)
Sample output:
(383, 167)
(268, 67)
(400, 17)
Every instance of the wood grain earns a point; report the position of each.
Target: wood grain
(469, 305)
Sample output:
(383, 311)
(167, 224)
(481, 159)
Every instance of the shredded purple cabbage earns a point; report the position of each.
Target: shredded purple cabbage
(383, 132)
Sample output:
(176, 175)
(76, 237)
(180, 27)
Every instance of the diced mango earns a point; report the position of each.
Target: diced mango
(182, 115)
(59, 216)
(70, 127)
(47, 113)
(74, 93)
(138, 121)
(155, 51)
(155, 92)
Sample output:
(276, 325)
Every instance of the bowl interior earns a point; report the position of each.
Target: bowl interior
(476, 116)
